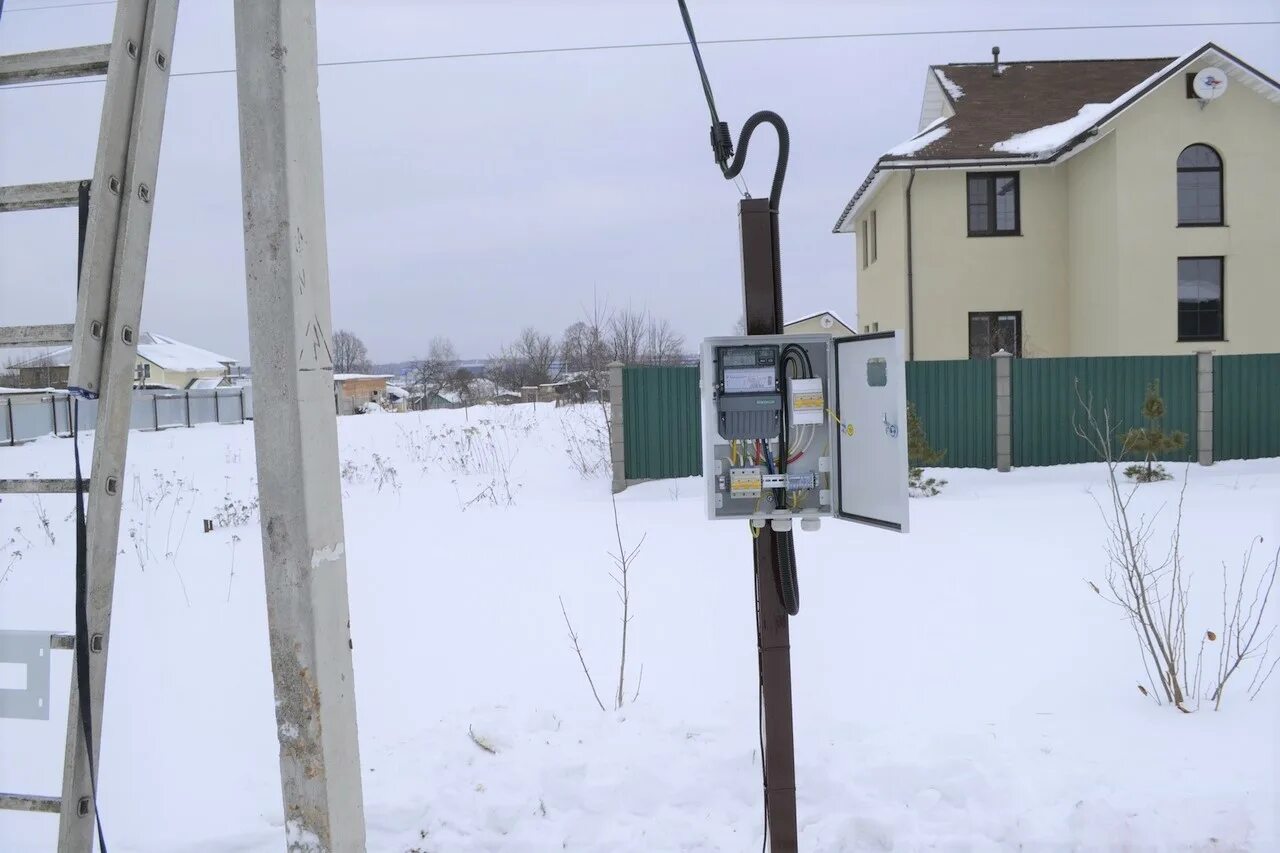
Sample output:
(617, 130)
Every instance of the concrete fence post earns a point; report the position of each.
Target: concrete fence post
(617, 446)
(1204, 407)
(1004, 410)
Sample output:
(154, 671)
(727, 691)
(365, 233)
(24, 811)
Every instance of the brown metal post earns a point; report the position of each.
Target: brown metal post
(762, 308)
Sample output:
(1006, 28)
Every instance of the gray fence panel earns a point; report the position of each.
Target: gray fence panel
(31, 417)
(143, 415)
(203, 410)
(35, 415)
(170, 410)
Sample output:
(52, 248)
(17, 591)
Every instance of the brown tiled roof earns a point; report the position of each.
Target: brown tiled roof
(1026, 96)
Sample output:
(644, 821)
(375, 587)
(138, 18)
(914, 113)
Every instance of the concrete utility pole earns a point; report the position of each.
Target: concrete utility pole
(762, 307)
(295, 431)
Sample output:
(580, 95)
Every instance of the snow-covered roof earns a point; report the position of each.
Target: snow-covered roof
(161, 350)
(954, 90)
(395, 392)
(833, 315)
(205, 383)
(171, 354)
(931, 134)
(1036, 113)
(345, 377)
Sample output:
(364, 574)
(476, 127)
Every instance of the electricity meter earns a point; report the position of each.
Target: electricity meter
(805, 426)
(750, 392)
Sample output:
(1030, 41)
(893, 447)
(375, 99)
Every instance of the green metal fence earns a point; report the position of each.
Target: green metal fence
(1045, 401)
(1246, 406)
(956, 404)
(955, 401)
(661, 422)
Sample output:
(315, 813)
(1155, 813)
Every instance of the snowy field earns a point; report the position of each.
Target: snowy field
(960, 688)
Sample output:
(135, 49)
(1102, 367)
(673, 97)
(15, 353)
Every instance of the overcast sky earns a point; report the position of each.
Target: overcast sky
(470, 197)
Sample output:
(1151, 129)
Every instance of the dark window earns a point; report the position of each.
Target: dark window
(1200, 299)
(873, 238)
(1199, 186)
(992, 331)
(1191, 88)
(993, 204)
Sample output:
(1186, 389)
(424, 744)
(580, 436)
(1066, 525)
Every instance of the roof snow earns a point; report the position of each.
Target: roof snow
(953, 88)
(164, 352)
(343, 377)
(931, 134)
(1043, 140)
(170, 354)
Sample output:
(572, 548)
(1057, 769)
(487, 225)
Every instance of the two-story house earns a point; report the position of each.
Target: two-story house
(1063, 208)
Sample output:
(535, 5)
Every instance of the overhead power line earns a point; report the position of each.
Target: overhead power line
(682, 44)
(59, 6)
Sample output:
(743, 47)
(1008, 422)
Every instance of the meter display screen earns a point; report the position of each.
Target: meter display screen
(750, 380)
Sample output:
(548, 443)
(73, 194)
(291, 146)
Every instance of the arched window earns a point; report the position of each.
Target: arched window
(1199, 186)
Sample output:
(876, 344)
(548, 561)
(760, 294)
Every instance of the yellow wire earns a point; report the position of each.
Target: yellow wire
(847, 429)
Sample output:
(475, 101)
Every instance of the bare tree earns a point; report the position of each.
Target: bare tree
(529, 360)
(661, 344)
(627, 330)
(349, 353)
(622, 562)
(431, 375)
(585, 349)
(1153, 592)
(461, 383)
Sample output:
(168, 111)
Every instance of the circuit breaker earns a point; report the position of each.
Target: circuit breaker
(805, 427)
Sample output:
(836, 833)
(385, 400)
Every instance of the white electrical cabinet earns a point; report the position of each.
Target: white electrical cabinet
(805, 426)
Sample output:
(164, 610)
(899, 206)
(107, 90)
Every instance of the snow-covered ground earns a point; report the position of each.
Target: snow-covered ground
(959, 688)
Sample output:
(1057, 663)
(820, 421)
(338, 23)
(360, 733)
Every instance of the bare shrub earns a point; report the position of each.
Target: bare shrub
(1154, 591)
(586, 439)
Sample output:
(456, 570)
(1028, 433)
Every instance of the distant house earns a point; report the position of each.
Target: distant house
(397, 399)
(819, 323)
(353, 391)
(1078, 208)
(162, 362)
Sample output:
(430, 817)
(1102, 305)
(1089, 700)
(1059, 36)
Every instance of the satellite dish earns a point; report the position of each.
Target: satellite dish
(826, 322)
(1209, 83)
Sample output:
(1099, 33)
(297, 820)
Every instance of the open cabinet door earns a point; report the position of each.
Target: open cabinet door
(871, 456)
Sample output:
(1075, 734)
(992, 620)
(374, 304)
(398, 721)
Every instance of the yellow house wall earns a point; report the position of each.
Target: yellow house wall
(1244, 127)
(881, 287)
(956, 274)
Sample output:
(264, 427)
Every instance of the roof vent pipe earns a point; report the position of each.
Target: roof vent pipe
(995, 61)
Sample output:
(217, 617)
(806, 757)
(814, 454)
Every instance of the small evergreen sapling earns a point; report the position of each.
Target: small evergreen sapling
(1152, 440)
(920, 454)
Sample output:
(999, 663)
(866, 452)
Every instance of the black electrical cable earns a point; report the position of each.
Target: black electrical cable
(784, 152)
(82, 650)
(722, 143)
(784, 551)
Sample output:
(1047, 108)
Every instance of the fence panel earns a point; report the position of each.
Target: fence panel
(955, 401)
(661, 422)
(202, 410)
(1044, 402)
(6, 422)
(1246, 406)
(32, 416)
(171, 410)
(232, 405)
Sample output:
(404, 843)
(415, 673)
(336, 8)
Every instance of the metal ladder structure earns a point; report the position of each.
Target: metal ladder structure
(295, 432)
(116, 209)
